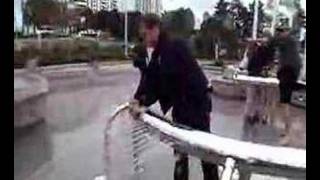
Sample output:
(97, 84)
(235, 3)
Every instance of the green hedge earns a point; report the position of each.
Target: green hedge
(64, 52)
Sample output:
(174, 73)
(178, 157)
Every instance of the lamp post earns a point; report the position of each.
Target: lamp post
(255, 20)
(125, 29)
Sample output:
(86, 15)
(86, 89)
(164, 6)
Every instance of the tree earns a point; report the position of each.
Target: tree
(222, 29)
(299, 22)
(179, 23)
(115, 22)
(63, 16)
(43, 12)
(93, 22)
(102, 16)
(221, 10)
(87, 13)
(214, 34)
(134, 20)
(240, 16)
(205, 16)
(26, 19)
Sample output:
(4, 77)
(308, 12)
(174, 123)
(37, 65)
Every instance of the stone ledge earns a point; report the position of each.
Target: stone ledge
(29, 85)
(81, 70)
(30, 95)
(228, 88)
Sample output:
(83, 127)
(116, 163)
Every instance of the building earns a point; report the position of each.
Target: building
(113, 4)
(149, 6)
(81, 3)
(109, 4)
(285, 9)
(139, 5)
(98, 5)
(17, 15)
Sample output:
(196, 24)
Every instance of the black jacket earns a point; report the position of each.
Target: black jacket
(262, 57)
(289, 57)
(175, 79)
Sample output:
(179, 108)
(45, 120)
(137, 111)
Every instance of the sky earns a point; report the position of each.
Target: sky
(17, 13)
(198, 7)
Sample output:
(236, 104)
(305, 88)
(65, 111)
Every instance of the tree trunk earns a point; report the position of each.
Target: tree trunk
(34, 29)
(216, 49)
(28, 31)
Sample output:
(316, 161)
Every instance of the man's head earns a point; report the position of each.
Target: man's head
(150, 29)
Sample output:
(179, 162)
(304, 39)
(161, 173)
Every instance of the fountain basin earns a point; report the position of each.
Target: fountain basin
(30, 91)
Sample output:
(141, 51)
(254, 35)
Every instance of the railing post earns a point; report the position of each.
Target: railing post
(244, 174)
(228, 169)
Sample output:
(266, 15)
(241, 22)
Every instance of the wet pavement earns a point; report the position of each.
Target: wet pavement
(69, 145)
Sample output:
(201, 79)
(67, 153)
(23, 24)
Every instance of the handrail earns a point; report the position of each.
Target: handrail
(233, 150)
(253, 152)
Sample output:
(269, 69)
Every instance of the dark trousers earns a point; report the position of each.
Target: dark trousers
(181, 170)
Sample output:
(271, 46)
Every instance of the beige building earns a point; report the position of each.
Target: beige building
(149, 6)
(98, 5)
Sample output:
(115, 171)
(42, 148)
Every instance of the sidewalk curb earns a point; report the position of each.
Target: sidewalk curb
(75, 69)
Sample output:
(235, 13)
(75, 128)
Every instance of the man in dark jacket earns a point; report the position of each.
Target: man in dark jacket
(288, 73)
(261, 58)
(258, 105)
(170, 75)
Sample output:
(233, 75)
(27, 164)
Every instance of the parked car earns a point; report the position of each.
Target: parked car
(46, 31)
(89, 33)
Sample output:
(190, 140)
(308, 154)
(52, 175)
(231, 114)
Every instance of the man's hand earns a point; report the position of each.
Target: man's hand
(135, 109)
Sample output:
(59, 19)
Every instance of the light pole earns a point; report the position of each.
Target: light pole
(125, 29)
(255, 20)
(274, 16)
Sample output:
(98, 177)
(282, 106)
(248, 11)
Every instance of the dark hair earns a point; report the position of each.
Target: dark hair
(150, 20)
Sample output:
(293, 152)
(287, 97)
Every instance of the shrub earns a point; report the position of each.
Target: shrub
(219, 63)
(66, 51)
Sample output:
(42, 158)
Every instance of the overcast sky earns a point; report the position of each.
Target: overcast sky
(200, 6)
(197, 6)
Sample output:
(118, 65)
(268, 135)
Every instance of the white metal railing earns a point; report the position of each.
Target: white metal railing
(233, 154)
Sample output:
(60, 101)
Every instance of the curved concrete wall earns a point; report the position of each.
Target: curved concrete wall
(30, 92)
(228, 88)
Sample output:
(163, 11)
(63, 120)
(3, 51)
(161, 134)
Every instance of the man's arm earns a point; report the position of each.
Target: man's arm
(140, 91)
(139, 58)
(146, 92)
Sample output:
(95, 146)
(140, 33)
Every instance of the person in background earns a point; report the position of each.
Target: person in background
(260, 57)
(288, 72)
(170, 75)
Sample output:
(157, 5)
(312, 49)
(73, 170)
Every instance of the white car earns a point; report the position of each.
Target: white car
(89, 32)
(45, 30)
